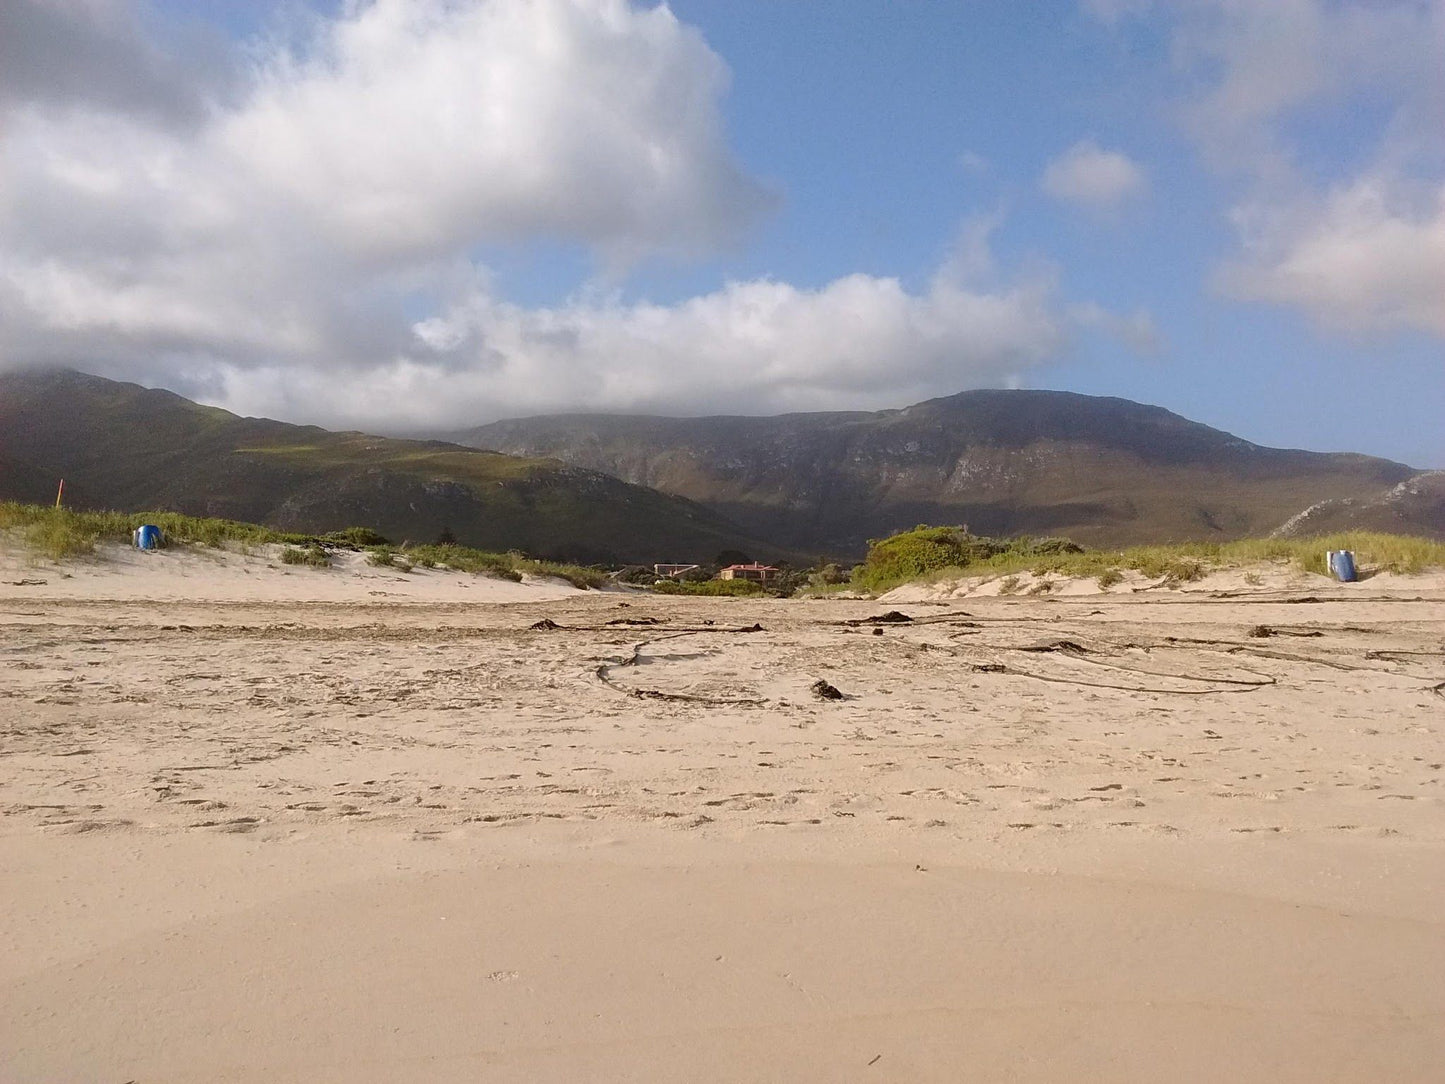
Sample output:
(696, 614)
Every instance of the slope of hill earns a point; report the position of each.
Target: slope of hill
(122, 446)
(1416, 506)
(1106, 471)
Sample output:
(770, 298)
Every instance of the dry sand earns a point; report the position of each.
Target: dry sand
(265, 824)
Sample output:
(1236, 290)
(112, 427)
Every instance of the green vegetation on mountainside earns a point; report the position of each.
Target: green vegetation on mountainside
(423, 460)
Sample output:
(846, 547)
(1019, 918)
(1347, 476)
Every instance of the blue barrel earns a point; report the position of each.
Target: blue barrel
(148, 537)
(1342, 565)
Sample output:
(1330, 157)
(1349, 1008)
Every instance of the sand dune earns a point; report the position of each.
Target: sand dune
(262, 823)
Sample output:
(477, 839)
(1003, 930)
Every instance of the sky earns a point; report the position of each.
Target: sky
(419, 215)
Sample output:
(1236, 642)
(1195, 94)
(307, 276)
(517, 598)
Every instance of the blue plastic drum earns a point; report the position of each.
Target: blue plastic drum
(148, 537)
(1342, 565)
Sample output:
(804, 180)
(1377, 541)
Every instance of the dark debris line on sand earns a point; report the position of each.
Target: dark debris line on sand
(1079, 652)
(892, 617)
(604, 673)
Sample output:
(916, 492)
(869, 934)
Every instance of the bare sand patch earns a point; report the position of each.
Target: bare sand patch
(203, 574)
(260, 826)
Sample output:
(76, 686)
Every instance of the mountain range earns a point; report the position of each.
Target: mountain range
(1101, 470)
(121, 446)
(615, 488)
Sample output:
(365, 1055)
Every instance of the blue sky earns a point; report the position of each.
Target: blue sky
(400, 215)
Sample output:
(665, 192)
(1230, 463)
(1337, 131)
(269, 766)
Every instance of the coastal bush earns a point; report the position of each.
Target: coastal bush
(58, 533)
(387, 557)
(822, 581)
(636, 575)
(938, 554)
(1405, 554)
(356, 537)
(60, 536)
(509, 566)
(62, 530)
(312, 555)
(917, 553)
(911, 554)
(1044, 547)
(828, 575)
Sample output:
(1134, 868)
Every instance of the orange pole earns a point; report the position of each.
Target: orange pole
(58, 492)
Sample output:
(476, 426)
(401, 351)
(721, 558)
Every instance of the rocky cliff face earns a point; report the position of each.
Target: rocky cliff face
(1416, 506)
(1102, 470)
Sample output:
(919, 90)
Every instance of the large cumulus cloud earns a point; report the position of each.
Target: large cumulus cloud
(296, 233)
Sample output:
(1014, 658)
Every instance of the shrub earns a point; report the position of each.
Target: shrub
(941, 551)
(383, 557)
(576, 575)
(827, 579)
(508, 566)
(312, 555)
(911, 554)
(356, 537)
(61, 535)
(1185, 570)
(1047, 546)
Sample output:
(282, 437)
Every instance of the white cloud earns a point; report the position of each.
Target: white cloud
(416, 124)
(1358, 248)
(307, 250)
(352, 179)
(1368, 259)
(1092, 177)
(755, 347)
(1256, 67)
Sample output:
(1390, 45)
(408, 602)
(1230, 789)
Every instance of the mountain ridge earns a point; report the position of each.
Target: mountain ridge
(1103, 469)
(120, 445)
(639, 488)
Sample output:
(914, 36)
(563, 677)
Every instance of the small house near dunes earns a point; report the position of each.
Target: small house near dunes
(671, 572)
(756, 572)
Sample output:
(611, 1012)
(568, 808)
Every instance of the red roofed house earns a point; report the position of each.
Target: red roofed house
(760, 573)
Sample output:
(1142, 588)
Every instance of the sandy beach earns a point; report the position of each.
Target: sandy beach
(264, 823)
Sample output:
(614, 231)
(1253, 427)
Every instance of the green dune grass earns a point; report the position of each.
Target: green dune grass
(62, 533)
(941, 553)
